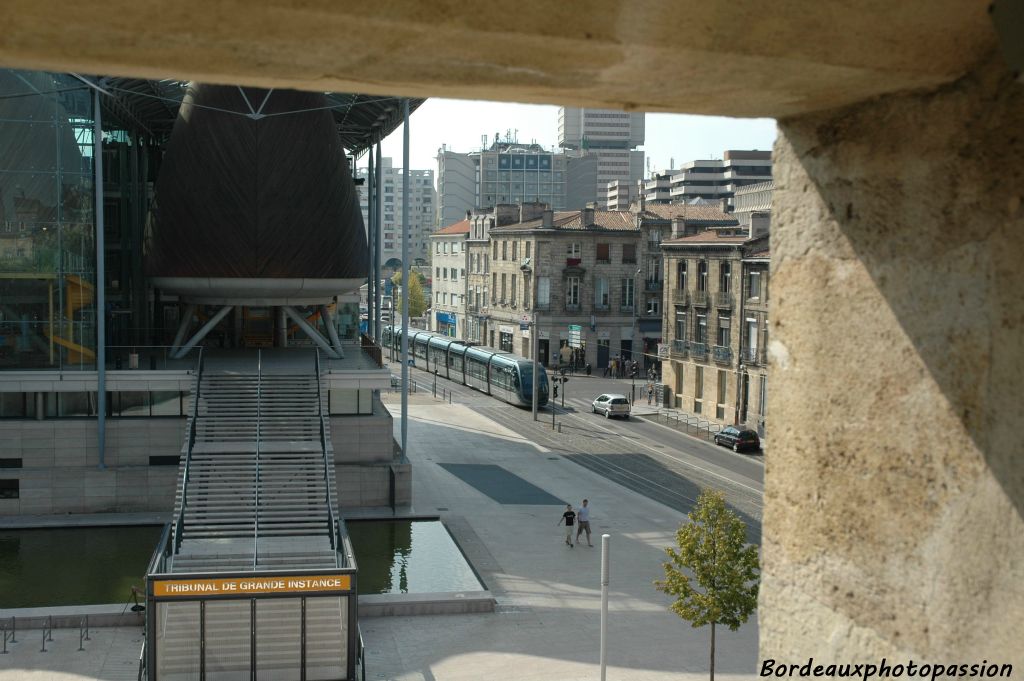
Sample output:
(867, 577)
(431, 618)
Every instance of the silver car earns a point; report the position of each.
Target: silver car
(611, 405)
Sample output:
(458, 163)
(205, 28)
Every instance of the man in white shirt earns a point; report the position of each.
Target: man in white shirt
(583, 518)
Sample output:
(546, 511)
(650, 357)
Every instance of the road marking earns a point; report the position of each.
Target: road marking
(673, 430)
(566, 414)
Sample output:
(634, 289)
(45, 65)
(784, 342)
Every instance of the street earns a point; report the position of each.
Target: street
(640, 454)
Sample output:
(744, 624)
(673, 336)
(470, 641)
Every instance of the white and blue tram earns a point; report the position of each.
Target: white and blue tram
(500, 374)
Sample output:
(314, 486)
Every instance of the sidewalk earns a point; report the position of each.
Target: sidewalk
(547, 624)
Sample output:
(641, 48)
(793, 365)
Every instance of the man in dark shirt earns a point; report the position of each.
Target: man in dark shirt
(569, 518)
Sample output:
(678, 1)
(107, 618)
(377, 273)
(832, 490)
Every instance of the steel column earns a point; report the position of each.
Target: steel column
(201, 333)
(377, 251)
(405, 276)
(183, 325)
(101, 293)
(313, 334)
(332, 331)
(373, 280)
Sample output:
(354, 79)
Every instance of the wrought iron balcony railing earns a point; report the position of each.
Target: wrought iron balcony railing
(722, 354)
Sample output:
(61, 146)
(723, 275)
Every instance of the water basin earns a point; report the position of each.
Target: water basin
(409, 556)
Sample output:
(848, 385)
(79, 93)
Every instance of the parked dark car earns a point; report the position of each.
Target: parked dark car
(731, 436)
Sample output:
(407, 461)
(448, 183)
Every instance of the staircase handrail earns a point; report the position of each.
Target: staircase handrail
(256, 506)
(180, 522)
(331, 529)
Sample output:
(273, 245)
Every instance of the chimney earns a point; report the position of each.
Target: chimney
(587, 216)
(725, 205)
(469, 214)
(548, 219)
(642, 195)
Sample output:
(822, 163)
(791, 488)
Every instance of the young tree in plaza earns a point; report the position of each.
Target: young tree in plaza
(417, 299)
(713, 572)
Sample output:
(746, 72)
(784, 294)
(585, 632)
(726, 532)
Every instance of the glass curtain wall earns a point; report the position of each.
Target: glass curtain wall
(47, 222)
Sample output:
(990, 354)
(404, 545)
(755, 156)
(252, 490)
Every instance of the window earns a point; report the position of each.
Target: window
(514, 289)
(528, 245)
(437, 272)
(495, 248)
(494, 281)
(603, 254)
(627, 292)
(724, 324)
(702, 328)
(653, 307)
(720, 404)
(680, 325)
(572, 292)
(515, 250)
(437, 247)
(755, 285)
(506, 342)
(573, 250)
(10, 489)
(698, 389)
(628, 253)
(504, 289)
(601, 294)
(724, 277)
(681, 275)
(10, 462)
(445, 249)
(455, 275)
(702, 275)
(504, 250)
(164, 460)
(543, 291)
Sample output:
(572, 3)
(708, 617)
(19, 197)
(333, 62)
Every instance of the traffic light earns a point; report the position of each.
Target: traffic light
(632, 371)
(556, 390)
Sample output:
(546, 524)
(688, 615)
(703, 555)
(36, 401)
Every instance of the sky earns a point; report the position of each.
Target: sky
(461, 123)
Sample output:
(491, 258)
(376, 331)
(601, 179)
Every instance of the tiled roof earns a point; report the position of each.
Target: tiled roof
(709, 237)
(604, 220)
(765, 253)
(461, 227)
(689, 213)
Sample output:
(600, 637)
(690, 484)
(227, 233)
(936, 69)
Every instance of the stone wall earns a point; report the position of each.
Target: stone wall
(898, 341)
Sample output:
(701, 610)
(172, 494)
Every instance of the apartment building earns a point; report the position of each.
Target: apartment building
(716, 322)
(450, 262)
(422, 210)
(620, 195)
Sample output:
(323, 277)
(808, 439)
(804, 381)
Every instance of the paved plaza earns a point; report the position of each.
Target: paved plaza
(547, 621)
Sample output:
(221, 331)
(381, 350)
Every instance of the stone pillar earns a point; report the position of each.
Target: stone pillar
(895, 481)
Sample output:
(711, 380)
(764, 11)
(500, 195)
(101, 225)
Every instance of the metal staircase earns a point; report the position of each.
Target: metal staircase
(256, 485)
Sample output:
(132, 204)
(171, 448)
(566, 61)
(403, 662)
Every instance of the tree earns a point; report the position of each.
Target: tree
(417, 299)
(714, 572)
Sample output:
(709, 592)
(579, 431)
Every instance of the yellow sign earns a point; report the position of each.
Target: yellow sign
(244, 586)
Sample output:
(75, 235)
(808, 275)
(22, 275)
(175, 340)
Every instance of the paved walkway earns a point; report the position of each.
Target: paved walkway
(547, 623)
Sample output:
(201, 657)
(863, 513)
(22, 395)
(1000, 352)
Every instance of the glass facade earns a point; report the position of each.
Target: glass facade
(47, 222)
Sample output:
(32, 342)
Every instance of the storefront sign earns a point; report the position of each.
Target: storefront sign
(244, 586)
(445, 317)
(503, 328)
(575, 331)
(663, 350)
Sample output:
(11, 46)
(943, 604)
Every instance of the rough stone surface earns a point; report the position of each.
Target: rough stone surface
(894, 506)
(740, 59)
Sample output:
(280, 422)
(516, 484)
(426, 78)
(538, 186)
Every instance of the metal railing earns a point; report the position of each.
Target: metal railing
(679, 348)
(652, 285)
(697, 350)
(47, 632)
(83, 632)
(142, 663)
(180, 521)
(687, 421)
(682, 297)
(721, 354)
(753, 356)
(331, 528)
(256, 505)
(362, 654)
(700, 298)
(723, 299)
(10, 633)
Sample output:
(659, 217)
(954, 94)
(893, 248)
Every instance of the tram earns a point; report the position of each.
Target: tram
(502, 375)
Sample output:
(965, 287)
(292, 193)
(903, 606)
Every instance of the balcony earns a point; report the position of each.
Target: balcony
(626, 308)
(573, 262)
(700, 298)
(679, 348)
(653, 285)
(723, 299)
(569, 307)
(542, 307)
(753, 356)
(598, 307)
(682, 297)
(721, 354)
(697, 350)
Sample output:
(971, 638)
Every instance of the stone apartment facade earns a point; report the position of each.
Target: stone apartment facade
(716, 323)
(450, 258)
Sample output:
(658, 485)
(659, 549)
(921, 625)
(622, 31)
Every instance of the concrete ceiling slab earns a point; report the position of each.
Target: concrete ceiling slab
(737, 58)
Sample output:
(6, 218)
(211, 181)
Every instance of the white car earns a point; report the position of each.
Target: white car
(611, 405)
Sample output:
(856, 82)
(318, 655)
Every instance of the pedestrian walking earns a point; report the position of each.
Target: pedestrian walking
(584, 521)
(650, 393)
(569, 518)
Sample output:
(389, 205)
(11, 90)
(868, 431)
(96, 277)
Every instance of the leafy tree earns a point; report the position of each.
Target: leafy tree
(417, 299)
(714, 573)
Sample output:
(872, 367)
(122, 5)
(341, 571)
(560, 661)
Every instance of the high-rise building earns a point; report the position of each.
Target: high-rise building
(511, 172)
(716, 179)
(422, 202)
(612, 136)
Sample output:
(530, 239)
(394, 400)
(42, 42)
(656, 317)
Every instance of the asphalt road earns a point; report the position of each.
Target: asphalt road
(641, 454)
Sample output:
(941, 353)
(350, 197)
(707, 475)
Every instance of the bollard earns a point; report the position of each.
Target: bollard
(605, 543)
(14, 629)
(559, 427)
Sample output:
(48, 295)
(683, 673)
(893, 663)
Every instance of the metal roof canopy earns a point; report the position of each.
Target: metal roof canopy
(152, 107)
